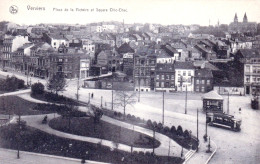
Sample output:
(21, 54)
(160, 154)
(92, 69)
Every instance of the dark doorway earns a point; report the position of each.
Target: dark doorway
(247, 90)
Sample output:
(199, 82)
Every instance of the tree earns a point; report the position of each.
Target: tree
(97, 113)
(37, 88)
(56, 83)
(179, 131)
(70, 111)
(124, 98)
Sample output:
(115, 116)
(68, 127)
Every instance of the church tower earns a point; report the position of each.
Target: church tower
(245, 19)
(235, 19)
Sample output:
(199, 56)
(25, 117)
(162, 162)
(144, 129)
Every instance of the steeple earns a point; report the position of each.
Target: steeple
(235, 19)
(245, 19)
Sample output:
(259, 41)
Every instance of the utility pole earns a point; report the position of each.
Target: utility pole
(101, 101)
(77, 95)
(186, 101)
(228, 104)
(19, 134)
(169, 149)
(163, 110)
(197, 124)
(27, 74)
(206, 126)
(139, 89)
(112, 105)
(153, 138)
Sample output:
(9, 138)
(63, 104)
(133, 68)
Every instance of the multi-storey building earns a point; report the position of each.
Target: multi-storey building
(163, 57)
(109, 60)
(18, 57)
(10, 45)
(251, 64)
(184, 76)
(67, 61)
(56, 40)
(144, 69)
(38, 63)
(203, 80)
(128, 58)
(165, 77)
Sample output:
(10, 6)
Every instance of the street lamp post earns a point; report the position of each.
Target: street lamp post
(197, 124)
(163, 110)
(153, 138)
(139, 90)
(101, 101)
(206, 124)
(19, 134)
(77, 94)
(186, 101)
(112, 105)
(88, 98)
(228, 104)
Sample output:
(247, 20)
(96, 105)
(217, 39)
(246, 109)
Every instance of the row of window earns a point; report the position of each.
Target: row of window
(5, 48)
(203, 82)
(184, 73)
(254, 79)
(198, 89)
(166, 77)
(255, 69)
(165, 84)
(142, 62)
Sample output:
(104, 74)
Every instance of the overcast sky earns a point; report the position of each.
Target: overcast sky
(138, 11)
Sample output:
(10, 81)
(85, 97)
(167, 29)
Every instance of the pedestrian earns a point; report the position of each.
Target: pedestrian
(92, 95)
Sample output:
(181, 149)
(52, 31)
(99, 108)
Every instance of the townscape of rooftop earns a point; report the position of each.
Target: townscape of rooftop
(152, 57)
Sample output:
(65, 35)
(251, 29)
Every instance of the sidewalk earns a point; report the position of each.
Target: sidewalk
(201, 157)
(35, 121)
(16, 92)
(8, 156)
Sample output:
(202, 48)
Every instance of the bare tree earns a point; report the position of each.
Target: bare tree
(56, 83)
(124, 98)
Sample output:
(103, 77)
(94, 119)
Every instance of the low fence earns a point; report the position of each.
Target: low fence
(103, 84)
(231, 90)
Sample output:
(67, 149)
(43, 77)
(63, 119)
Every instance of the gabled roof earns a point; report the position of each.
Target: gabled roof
(26, 45)
(164, 67)
(42, 47)
(162, 54)
(125, 48)
(184, 65)
(57, 36)
(203, 73)
(144, 50)
(213, 95)
(250, 53)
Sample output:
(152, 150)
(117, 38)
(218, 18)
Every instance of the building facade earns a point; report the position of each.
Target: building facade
(144, 69)
(184, 76)
(251, 64)
(203, 80)
(165, 77)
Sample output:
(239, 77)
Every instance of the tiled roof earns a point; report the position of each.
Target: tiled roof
(213, 95)
(57, 36)
(162, 54)
(250, 53)
(125, 48)
(145, 51)
(203, 73)
(165, 67)
(26, 45)
(183, 65)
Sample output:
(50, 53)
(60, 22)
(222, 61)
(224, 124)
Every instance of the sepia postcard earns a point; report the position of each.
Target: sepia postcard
(129, 82)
